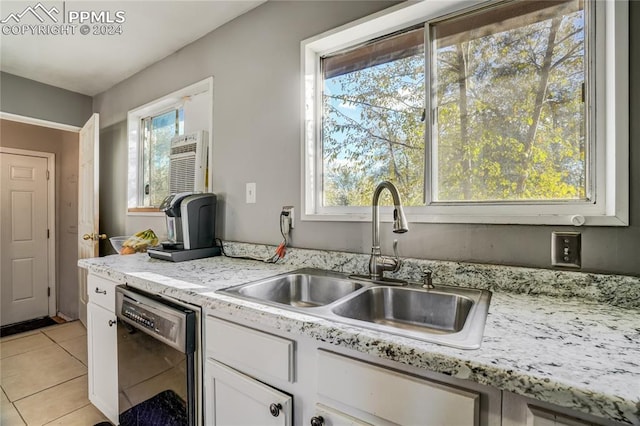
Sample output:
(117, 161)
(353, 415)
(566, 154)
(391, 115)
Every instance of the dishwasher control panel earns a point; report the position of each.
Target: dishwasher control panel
(158, 318)
(141, 318)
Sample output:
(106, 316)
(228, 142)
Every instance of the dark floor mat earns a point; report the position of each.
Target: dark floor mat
(164, 409)
(21, 327)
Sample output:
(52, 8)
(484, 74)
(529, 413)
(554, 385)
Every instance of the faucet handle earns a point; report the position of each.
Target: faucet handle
(396, 255)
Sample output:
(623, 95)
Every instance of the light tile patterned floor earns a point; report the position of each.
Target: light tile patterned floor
(43, 377)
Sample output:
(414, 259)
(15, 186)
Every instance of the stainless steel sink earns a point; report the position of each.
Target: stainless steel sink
(302, 290)
(408, 309)
(452, 316)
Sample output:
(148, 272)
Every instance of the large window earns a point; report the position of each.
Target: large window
(501, 113)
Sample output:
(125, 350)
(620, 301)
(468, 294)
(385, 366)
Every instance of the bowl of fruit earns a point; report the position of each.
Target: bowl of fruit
(136, 243)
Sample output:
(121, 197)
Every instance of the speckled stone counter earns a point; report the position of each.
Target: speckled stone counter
(577, 352)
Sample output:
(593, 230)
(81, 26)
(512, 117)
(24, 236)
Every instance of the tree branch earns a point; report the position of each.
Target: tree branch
(353, 101)
(370, 133)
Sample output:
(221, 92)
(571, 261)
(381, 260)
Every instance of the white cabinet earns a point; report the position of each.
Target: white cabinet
(102, 346)
(385, 396)
(233, 398)
(521, 411)
(326, 416)
(250, 351)
(249, 370)
(235, 357)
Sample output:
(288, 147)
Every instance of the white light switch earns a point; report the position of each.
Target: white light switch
(251, 193)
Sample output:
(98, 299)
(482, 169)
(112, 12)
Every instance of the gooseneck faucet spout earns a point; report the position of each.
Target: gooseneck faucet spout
(379, 263)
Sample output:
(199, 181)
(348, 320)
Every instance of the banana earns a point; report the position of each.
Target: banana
(140, 240)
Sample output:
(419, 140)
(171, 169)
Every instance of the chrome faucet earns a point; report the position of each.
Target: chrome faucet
(379, 263)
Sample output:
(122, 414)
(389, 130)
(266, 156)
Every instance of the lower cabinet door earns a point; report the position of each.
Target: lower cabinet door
(233, 398)
(520, 411)
(372, 392)
(103, 360)
(326, 416)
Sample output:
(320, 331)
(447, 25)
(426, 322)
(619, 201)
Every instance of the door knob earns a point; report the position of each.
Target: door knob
(94, 237)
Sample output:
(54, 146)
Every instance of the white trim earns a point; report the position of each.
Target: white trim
(64, 317)
(51, 218)
(151, 108)
(611, 205)
(147, 214)
(617, 108)
(38, 122)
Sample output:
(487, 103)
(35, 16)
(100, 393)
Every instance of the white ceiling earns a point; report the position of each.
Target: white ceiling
(91, 64)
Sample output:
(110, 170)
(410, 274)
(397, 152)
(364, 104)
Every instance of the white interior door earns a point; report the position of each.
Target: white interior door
(24, 254)
(88, 204)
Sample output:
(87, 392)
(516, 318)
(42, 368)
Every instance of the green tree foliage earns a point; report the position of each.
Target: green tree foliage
(159, 131)
(509, 121)
(373, 131)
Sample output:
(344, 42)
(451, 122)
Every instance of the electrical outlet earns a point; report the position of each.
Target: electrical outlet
(290, 210)
(566, 249)
(251, 193)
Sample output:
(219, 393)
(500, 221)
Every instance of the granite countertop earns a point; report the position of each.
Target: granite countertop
(573, 352)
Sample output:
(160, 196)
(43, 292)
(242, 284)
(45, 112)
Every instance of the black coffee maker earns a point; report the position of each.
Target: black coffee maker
(191, 223)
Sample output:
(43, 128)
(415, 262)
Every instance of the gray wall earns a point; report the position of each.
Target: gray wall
(65, 146)
(113, 183)
(30, 98)
(255, 61)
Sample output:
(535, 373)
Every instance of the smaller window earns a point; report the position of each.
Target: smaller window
(151, 127)
(155, 144)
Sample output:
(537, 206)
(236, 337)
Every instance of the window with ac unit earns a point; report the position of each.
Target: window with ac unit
(503, 112)
(169, 147)
(155, 147)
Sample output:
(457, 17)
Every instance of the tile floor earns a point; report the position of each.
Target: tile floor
(43, 376)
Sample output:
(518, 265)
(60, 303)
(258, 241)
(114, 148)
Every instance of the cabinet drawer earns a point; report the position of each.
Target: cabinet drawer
(392, 396)
(250, 351)
(102, 292)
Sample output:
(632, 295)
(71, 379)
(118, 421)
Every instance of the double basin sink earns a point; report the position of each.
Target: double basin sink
(452, 316)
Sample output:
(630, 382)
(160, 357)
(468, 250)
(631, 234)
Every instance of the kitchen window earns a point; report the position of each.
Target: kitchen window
(508, 112)
(151, 128)
(155, 146)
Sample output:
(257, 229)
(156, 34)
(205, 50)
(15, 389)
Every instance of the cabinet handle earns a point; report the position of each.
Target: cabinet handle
(100, 291)
(111, 322)
(274, 409)
(317, 421)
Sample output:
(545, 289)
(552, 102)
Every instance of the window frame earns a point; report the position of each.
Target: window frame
(135, 118)
(147, 121)
(609, 131)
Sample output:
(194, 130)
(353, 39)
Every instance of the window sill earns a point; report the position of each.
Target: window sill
(144, 211)
(542, 219)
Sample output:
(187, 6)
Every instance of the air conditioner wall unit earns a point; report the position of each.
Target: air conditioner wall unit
(188, 163)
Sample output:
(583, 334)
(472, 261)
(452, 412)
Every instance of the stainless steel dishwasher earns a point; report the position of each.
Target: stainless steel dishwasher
(158, 360)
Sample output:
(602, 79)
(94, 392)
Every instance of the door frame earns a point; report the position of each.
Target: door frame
(51, 191)
(51, 219)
